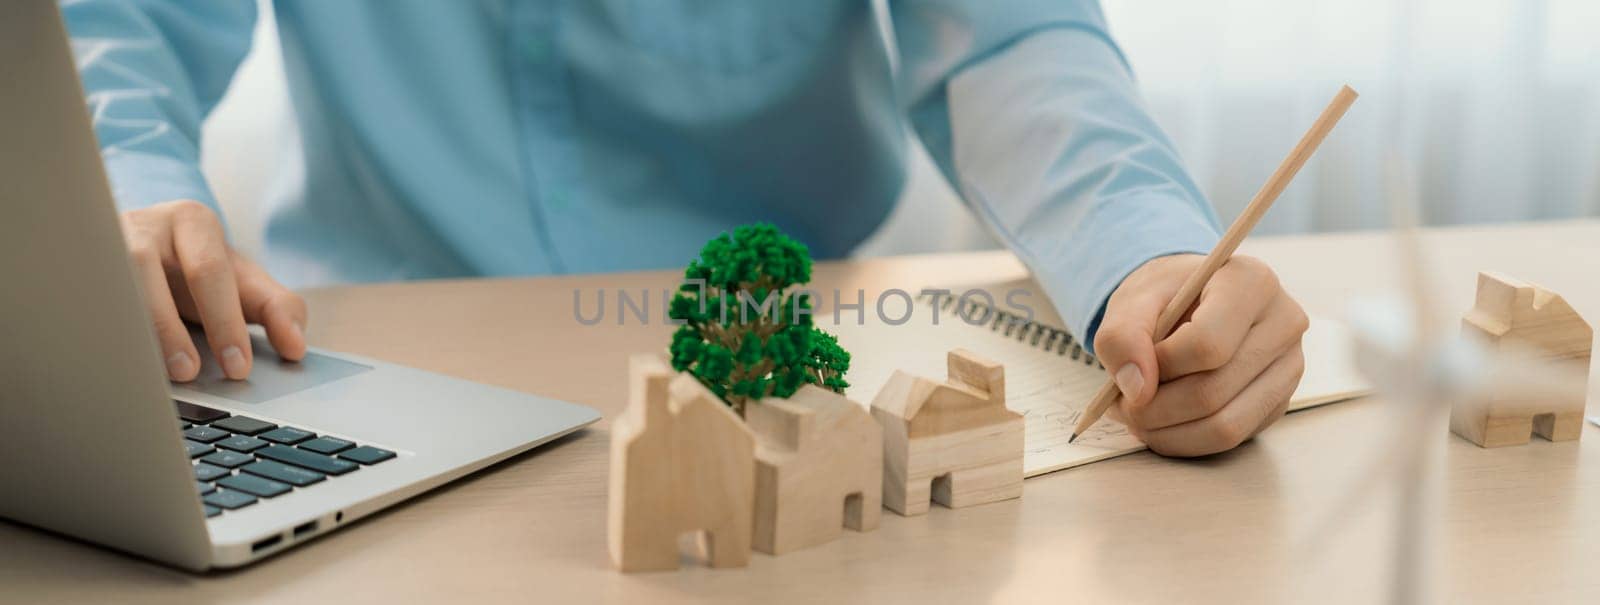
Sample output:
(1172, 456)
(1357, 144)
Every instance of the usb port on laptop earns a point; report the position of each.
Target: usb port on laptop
(265, 543)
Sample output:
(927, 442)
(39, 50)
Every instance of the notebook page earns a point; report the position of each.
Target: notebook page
(1048, 387)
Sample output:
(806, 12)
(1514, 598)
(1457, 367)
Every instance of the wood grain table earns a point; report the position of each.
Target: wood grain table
(1519, 524)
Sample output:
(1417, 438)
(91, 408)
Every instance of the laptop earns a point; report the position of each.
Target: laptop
(94, 441)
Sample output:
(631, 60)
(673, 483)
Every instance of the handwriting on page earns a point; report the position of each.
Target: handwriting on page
(1046, 423)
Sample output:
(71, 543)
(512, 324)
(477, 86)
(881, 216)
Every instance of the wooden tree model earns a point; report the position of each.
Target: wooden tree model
(1514, 314)
(819, 467)
(743, 336)
(681, 462)
(954, 441)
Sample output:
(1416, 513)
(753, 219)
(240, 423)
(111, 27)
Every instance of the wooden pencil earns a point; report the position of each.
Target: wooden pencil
(1175, 309)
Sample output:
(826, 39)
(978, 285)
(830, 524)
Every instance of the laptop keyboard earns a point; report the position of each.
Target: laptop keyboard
(239, 461)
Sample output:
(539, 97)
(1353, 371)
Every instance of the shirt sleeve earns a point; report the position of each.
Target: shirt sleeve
(1031, 111)
(152, 70)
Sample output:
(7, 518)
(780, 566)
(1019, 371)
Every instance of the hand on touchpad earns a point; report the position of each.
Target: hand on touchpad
(272, 377)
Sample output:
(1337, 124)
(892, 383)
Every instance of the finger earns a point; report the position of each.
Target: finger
(1241, 419)
(177, 351)
(1115, 413)
(1202, 394)
(276, 308)
(1278, 412)
(207, 267)
(1231, 302)
(1125, 344)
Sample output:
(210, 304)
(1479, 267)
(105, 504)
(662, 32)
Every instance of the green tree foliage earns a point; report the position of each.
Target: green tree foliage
(742, 335)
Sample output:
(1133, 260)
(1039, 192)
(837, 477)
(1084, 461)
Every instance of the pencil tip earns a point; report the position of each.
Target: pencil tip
(1073, 438)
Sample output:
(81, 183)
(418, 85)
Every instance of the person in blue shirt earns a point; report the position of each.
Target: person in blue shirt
(505, 137)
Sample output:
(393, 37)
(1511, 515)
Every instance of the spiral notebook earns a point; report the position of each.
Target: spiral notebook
(1050, 377)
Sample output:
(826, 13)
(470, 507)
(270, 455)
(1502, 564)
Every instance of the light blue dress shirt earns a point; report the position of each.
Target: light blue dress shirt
(482, 137)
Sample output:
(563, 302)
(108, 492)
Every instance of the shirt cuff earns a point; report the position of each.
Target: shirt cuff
(1118, 236)
(141, 180)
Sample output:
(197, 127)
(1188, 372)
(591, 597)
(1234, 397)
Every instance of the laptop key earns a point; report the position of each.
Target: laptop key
(208, 472)
(278, 471)
(366, 454)
(241, 443)
(228, 499)
(196, 449)
(251, 484)
(211, 511)
(205, 488)
(227, 459)
(305, 459)
(198, 414)
(183, 426)
(287, 435)
(205, 434)
(327, 445)
(244, 426)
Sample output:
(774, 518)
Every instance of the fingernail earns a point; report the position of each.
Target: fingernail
(1130, 381)
(180, 364)
(233, 362)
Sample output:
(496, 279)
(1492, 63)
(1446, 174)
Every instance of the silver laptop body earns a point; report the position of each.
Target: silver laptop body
(90, 444)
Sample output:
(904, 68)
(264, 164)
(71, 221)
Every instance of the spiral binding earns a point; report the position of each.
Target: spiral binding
(1035, 334)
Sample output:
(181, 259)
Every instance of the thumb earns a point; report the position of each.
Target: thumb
(1126, 347)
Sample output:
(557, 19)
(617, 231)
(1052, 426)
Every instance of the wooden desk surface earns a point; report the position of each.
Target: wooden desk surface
(1515, 524)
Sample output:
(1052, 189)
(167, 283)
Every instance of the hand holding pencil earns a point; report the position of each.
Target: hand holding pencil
(1231, 367)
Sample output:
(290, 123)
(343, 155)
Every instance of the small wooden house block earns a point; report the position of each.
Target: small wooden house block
(953, 441)
(681, 462)
(1514, 314)
(819, 468)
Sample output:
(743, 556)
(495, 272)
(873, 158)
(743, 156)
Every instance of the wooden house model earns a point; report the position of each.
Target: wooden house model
(1512, 316)
(681, 463)
(953, 442)
(819, 468)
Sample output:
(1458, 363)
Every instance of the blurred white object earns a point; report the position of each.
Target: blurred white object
(1421, 371)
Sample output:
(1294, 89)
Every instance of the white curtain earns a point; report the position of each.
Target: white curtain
(1489, 108)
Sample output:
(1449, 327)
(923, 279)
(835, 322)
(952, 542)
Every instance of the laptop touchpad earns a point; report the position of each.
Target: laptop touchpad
(270, 377)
